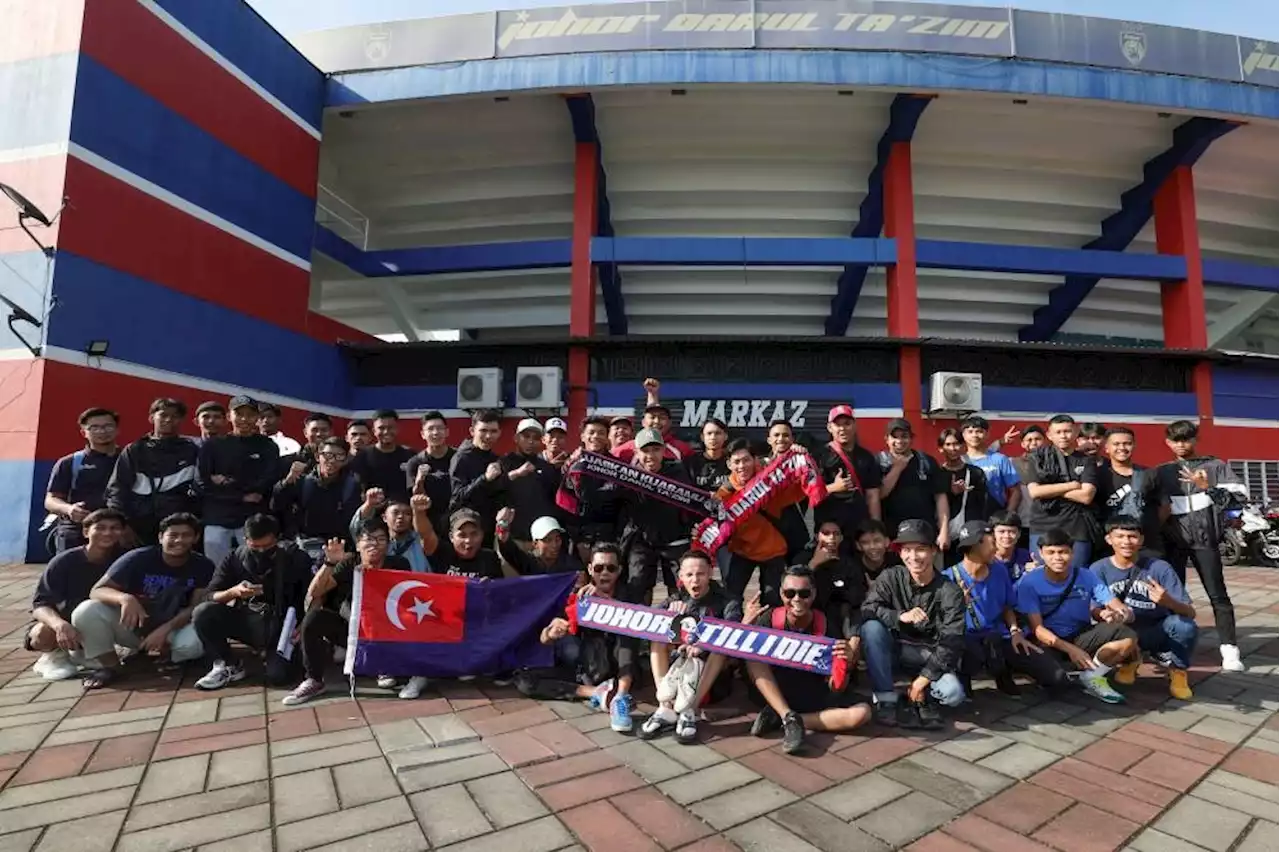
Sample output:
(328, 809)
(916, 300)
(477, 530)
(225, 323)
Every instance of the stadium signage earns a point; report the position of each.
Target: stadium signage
(741, 413)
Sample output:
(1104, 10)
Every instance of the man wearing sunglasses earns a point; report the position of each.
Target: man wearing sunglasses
(796, 701)
(590, 664)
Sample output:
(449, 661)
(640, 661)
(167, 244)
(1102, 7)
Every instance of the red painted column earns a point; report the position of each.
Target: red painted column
(900, 279)
(1182, 302)
(582, 276)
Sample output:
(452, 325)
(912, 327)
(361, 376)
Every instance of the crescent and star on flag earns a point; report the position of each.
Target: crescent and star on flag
(422, 609)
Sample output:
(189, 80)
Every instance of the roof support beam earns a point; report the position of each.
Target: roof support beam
(1137, 205)
(402, 312)
(904, 115)
(1239, 317)
(597, 221)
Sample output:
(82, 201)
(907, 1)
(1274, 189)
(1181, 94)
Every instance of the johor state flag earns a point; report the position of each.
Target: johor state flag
(434, 625)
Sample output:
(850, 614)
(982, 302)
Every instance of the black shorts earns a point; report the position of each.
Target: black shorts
(806, 693)
(1091, 639)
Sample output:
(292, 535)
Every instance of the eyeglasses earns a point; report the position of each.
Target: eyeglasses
(334, 456)
(802, 594)
(605, 567)
(378, 541)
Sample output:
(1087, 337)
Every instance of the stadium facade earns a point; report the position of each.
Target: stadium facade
(772, 205)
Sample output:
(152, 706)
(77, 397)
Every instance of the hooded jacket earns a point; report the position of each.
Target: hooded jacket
(470, 489)
(154, 478)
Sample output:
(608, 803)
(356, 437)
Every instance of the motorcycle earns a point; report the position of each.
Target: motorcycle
(1232, 546)
(1259, 528)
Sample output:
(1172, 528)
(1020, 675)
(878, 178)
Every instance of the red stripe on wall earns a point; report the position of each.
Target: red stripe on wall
(36, 28)
(21, 382)
(40, 180)
(143, 50)
(112, 223)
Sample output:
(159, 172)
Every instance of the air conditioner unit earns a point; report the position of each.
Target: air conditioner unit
(538, 387)
(479, 387)
(955, 393)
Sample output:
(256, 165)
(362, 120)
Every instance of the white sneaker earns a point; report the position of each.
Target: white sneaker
(1231, 658)
(1097, 686)
(386, 682)
(220, 675)
(55, 665)
(413, 688)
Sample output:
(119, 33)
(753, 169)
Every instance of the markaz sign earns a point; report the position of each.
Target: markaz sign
(752, 415)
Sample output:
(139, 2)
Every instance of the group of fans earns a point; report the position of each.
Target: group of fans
(913, 564)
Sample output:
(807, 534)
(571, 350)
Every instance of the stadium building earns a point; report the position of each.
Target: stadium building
(771, 205)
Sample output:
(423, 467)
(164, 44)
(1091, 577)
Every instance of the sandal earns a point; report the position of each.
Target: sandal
(99, 678)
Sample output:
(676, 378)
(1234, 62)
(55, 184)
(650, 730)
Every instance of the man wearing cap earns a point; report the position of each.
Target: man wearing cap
(462, 554)
(1003, 482)
(155, 476)
(993, 639)
(269, 425)
(912, 486)
(621, 431)
(236, 477)
(532, 481)
(654, 532)
(211, 420)
(550, 553)
(914, 617)
(852, 474)
(657, 417)
(555, 441)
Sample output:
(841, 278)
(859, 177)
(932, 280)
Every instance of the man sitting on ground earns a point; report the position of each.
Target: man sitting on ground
(64, 584)
(1006, 527)
(797, 701)
(839, 584)
(1056, 601)
(1163, 616)
(406, 542)
(251, 591)
(685, 673)
(915, 617)
(145, 600)
(871, 548)
(591, 664)
(550, 555)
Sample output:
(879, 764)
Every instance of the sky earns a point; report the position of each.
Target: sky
(1253, 18)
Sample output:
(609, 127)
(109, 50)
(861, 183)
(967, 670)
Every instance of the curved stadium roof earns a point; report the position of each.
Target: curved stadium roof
(730, 118)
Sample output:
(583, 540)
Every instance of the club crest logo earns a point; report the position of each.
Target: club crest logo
(377, 45)
(1133, 44)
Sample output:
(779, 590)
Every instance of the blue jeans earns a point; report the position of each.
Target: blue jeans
(880, 648)
(1174, 634)
(1080, 551)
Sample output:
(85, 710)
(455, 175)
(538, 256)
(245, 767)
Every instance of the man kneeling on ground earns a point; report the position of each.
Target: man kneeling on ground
(590, 664)
(1057, 601)
(798, 701)
(1163, 616)
(251, 591)
(685, 673)
(914, 617)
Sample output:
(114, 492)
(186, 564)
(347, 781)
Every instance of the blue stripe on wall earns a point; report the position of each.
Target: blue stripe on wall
(1245, 392)
(248, 42)
(404, 397)
(139, 133)
(36, 96)
(1088, 401)
(157, 327)
(22, 483)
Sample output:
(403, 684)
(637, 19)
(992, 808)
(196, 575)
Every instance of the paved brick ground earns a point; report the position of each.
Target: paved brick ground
(157, 765)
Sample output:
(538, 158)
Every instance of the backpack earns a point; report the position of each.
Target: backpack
(778, 620)
(50, 525)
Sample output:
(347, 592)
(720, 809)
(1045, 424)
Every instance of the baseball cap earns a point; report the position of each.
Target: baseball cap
(241, 401)
(528, 423)
(898, 424)
(657, 409)
(647, 438)
(916, 532)
(555, 423)
(839, 411)
(621, 418)
(972, 532)
(207, 405)
(544, 527)
(461, 517)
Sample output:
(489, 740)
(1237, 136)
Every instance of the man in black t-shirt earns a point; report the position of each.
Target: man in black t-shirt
(78, 483)
(428, 471)
(852, 474)
(384, 465)
(872, 551)
(462, 554)
(1129, 490)
(912, 486)
(1062, 483)
(838, 581)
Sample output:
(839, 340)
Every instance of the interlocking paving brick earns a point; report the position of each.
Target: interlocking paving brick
(825, 831)
(240, 707)
(398, 838)
(974, 776)
(505, 800)
(563, 739)
(878, 751)
(87, 834)
(364, 781)
(935, 784)
(743, 804)
(665, 821)
(1178, 743)
(237, 766)
(941, 842)
(518, 749)
(694, 756)
(1168, 771)
(1106, 779)
(205, 829)
(1055, 738)
(64, 788)
(1203, 823)
(1243, 784)
(829, 764)
(907, 818)
(1151, 840)
(351, 822)
(49, 763)
(306, 794)
(114, 753)
(447, 729)
(711, 844)
(298, 745)
(543, 835)
(1221, 729)
(78, 723)
(170, 811)
(586, 724)
(989, 836)
(1263, 744)
(1121, 804)
(294, 722)
(449, 814)
(518, 721)
(1175, 718)
(789, 773)
(211, 729)
(542, 774)
(1055, 711)
(861, 795)
(440, 774)
(589, 788)
(1236, 801)
(1024, 807)
(1261, 838)
(22, 841)
(193, 713)
(67, 809)
(1113, 754)
(599, 825)
(1083, 828)
(763, 835)
(171, 778)
(402, 734)
(1019, 760)
(1253, 764)
(259, 841)
(31, 717)
(974, 744)
(707, 782)
(122, 729)
(327, 757)
(23, 739)
(182, 748)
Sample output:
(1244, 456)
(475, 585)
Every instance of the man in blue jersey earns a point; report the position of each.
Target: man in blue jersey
(1003, 491)
(1006, 527)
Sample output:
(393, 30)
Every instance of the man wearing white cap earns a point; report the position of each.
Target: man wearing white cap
(532, 481)
(555, 441)
(550, 553)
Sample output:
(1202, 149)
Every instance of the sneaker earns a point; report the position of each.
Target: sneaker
(387, 682)
(1231, 658)
(1178, 686)
(305, 691)
(792, 733)
(220, 675)
(620, 714)
(55, 665)
(662, 719)
(1097, 686)
(1006, 684)
(766, 721)
(687, 728)
(413, 688)
(930, 715)
(908, 714)
(885, 713)
(1127, 674)
(599, 699)
(503, 679)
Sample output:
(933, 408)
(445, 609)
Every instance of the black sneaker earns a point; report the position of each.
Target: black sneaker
(1007, 685)
(766, 721)
(908, 714)
(792, 733)
(930, 716)
(885, 714)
